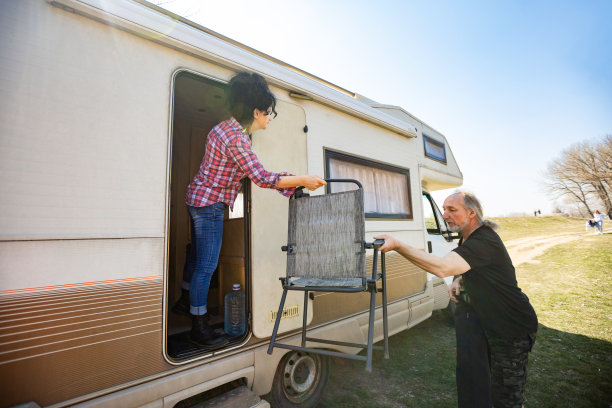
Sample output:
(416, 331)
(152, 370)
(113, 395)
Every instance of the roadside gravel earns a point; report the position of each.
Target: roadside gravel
(526, 249)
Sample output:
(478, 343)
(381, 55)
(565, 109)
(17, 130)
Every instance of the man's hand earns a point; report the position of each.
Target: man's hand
(455, 289)
(391, 244)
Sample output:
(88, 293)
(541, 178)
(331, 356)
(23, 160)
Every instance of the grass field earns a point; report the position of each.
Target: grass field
(571, 365)
(521, 227)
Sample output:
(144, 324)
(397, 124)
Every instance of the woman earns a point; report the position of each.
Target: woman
(228, 158)
(598, 218)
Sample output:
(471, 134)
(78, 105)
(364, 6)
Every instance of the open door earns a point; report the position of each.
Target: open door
(439, 237)
(281, 147)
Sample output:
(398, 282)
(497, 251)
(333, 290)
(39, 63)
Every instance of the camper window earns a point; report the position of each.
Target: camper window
(386, 188)
(434, 149)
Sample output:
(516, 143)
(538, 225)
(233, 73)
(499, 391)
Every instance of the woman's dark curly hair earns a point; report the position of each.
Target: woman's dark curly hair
(247, 92)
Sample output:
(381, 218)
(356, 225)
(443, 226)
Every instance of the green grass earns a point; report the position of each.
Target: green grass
(522, 227)
(570, 291)
(420, 372)
(571, 364)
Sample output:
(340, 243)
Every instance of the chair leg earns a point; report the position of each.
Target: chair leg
(371, 327)
(277, 322)
(305, 318)
(384, 302)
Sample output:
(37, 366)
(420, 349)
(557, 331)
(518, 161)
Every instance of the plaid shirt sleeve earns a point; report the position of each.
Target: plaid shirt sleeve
(239, 149)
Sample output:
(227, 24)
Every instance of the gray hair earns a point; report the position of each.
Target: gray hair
(470, 202)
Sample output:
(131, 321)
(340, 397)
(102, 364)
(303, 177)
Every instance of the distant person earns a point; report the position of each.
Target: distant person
(598, 218)
(539, 212)
(495, 323)
(535, 213)
(228, 159)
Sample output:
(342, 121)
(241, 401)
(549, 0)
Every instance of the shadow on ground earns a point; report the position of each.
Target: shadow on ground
(565, 370)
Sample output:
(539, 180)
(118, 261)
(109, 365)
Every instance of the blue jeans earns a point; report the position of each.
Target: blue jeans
(206, 235)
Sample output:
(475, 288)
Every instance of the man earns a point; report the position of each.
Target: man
(495, 323)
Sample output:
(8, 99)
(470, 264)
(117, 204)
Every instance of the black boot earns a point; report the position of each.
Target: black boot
(204, 336)
(182, 305)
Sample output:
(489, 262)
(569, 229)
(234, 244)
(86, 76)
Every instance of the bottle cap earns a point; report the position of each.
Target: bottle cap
(236, 286)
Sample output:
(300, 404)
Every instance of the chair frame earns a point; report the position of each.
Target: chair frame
(369, 286)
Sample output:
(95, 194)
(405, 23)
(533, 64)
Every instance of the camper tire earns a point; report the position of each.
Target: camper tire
(299, 380)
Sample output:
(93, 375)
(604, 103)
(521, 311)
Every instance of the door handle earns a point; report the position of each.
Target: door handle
(429, 247)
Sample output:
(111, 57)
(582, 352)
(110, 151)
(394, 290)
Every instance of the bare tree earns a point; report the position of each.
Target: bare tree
(583, 175)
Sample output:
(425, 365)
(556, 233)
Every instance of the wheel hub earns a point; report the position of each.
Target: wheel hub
(299, 374)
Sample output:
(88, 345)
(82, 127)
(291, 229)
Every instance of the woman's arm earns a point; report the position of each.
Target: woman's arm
(310, 182)
(241, 153)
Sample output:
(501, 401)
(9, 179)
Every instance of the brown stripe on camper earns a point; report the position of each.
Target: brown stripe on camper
(89, 337)
(403, 279)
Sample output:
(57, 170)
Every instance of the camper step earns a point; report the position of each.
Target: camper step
(238, 397)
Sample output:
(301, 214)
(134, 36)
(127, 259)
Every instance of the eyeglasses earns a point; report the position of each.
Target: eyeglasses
(270, 113)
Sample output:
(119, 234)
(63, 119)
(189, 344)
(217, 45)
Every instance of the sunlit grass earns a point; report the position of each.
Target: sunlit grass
(570, 290)
(521, 227)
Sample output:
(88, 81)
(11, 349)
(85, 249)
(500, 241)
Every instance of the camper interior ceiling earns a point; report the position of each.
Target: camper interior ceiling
(106, 111)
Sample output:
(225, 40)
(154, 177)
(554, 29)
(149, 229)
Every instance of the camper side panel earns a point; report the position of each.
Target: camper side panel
(84, 124)
(357, 138)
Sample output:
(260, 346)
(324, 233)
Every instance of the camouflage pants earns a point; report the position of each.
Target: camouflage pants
(508, 360)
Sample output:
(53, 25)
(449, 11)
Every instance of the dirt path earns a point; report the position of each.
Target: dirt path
(525, 249)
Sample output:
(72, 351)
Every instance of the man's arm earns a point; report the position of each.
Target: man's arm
(450, 265)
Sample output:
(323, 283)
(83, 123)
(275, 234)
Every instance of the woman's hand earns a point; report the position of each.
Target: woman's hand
(313, 182)
(455, 289)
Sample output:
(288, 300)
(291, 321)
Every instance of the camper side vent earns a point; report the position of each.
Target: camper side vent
(288, 312)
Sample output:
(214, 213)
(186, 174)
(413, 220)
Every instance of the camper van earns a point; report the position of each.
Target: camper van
(105, 111)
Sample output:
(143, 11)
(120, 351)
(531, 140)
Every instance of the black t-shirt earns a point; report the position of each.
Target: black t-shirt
(491, 286)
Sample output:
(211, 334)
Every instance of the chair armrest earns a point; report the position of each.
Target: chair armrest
(376, 244)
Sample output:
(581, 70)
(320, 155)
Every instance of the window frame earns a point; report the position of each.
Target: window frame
(430, 140)
(332, 154)
(443, 228)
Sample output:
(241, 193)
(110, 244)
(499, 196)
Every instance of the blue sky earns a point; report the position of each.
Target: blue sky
(511, 84)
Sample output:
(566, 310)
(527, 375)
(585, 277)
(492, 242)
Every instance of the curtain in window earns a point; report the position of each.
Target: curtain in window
(385, 191)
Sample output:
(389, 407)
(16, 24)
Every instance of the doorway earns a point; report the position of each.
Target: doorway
(199, 104)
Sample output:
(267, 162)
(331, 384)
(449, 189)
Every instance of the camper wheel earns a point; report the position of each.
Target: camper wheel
(299, 380)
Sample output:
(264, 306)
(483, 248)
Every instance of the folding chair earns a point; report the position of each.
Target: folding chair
(326, 252)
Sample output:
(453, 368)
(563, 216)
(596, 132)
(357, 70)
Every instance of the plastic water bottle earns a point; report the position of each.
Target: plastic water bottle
(235, 313)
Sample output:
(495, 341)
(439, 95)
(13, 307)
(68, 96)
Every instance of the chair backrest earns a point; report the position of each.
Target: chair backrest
(326, 237)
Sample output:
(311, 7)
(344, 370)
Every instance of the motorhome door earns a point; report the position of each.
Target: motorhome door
(281, 147)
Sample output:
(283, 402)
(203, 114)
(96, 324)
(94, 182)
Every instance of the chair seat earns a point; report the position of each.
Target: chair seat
(318, 282)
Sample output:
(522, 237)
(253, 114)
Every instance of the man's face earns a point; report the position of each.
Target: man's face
(455, 213)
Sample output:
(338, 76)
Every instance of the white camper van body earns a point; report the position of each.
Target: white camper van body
(103, 119)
